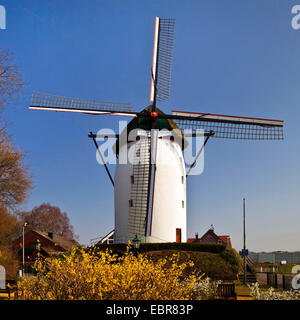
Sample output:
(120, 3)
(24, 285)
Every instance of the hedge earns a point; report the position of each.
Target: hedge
(144, 247)
(210, 264)
(200, 247)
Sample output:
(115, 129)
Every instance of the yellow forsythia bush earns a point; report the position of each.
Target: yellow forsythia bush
(102, 275)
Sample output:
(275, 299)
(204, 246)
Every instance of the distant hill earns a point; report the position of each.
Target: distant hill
(275, 256)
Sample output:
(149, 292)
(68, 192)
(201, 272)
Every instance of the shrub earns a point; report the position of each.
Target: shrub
(212, 265)
(231, 256)
(97, 275)
(200, 247)
(271, 294)
(9, 261)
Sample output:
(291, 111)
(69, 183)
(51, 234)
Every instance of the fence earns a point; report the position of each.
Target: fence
(280, 281)
(10, 288)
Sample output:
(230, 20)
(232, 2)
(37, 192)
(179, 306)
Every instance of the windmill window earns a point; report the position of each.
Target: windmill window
(182, 179)
(130, 203)
(132, 179)
(182, 203)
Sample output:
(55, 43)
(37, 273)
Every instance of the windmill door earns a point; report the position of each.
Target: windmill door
(178, 235)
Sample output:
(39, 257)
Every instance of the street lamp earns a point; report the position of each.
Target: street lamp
(136, 242)
(23, 269)
(38, 245)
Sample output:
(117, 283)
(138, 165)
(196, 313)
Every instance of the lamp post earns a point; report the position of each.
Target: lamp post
(23, 269)
(244, 238)
(38, 249)
(38, 245)
(136, 242)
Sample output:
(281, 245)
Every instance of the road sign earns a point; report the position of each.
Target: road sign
(244, 252)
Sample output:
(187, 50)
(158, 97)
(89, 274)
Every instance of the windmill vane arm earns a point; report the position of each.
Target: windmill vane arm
(229, 127)
(48, 102)
(225, 118)
(162, 59)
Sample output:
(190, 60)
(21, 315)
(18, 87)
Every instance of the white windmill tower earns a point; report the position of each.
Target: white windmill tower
(150, 189)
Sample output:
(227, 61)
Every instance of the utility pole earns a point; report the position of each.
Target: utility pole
(244, 253)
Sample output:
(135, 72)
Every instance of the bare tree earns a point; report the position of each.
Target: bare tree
(14, 178)
(48, 218)
(11, 80)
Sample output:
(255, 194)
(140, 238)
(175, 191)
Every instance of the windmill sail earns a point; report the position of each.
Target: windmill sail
(230, 127)
(162, 59)
(50, 102)
(139, 193)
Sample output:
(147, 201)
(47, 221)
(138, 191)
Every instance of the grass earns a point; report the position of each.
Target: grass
(242, 289)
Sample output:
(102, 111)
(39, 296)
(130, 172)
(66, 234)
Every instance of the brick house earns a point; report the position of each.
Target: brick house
(47, 243)
(211, 237)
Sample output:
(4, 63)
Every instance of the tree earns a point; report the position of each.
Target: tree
(14, 178)
(11, 81)
(9, 227)
(9, 230)
(48, 218)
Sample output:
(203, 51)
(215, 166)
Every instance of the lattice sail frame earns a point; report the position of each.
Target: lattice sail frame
(231, 127)
(44, 101)
(162, 59)
(138, 208)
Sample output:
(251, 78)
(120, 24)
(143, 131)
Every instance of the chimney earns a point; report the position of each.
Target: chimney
(196, 235)
(50, 235)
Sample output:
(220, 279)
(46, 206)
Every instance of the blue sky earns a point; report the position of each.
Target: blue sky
(230, 57)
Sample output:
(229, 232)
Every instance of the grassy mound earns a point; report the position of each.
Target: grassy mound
(223, 266)
(214, 260)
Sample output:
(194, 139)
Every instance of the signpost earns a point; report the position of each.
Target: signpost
(244, 251)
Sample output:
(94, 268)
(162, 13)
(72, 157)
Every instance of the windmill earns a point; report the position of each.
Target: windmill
(150, 191)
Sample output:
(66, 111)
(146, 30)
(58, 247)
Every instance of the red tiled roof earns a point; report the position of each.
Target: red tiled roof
(191, 240)
(226, 239)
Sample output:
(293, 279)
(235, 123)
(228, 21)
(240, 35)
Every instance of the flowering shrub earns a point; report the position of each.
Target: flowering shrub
(271, 294)
(206, 289)
(100, 275)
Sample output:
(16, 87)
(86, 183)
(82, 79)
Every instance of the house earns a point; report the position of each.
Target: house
(108, 239)
(46, 243)
(211, 237)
